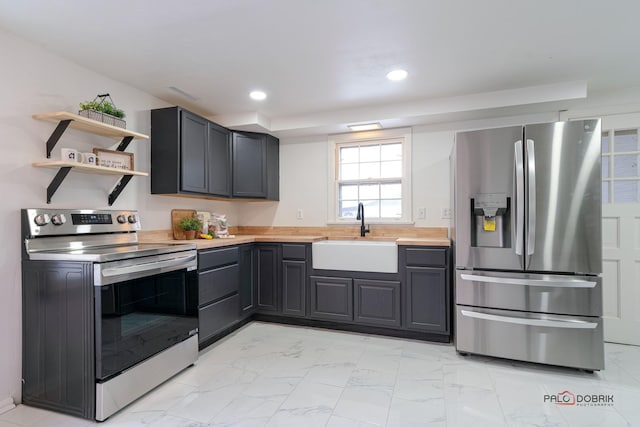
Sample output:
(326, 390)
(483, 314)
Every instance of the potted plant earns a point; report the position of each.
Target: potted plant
(103, 110)
(190, 225)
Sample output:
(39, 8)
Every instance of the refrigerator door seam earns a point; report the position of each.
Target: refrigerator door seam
(570, 324)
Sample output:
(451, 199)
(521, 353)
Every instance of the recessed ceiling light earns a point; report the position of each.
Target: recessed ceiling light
(365, 126)
(396, 75)
(258, 95)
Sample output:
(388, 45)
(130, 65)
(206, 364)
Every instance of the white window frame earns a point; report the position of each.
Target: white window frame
(609, 157)
(401, 134)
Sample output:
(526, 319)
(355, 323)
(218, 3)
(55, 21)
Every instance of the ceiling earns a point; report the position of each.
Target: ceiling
(323, 63)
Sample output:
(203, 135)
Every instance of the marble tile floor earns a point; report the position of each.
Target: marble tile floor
(274, 375)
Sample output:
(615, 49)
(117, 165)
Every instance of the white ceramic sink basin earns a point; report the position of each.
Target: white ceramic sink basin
(355, 255)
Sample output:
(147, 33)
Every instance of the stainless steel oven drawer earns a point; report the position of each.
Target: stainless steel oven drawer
(542, 293)
(570, 341)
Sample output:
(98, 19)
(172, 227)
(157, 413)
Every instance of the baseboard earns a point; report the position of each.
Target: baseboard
(6, 405)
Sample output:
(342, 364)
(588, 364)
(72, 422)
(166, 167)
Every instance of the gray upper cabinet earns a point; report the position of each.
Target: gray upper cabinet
(219, 164)
(192, 155)
(255, 159)
(193, 152)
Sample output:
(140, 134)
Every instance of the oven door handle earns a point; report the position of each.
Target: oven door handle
(141, 268)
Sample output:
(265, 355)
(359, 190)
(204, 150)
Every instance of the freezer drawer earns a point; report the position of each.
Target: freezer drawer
(555, 340)
(542, 293)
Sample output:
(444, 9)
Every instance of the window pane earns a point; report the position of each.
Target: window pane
(349, 155)
(371, 208)
(605, 166)
(605, 142)
(391, 191)
(349, 171)
(369, 170)
(625, 192)
(625, 140)
(605, 192)
(625, 166)
(370, 153)
(391, 208)
(348, 192)
(348, 209)
(370, 191)
(391, 152)
(391, 169)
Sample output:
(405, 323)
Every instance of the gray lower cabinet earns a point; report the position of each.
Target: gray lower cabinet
(426, 302)
(294, 279)
(218, 286)
(58, 368)
(377, 302)
(248, 287)
(267, 278)
(331, 298)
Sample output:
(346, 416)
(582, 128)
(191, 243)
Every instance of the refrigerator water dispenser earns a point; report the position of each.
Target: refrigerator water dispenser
(490, 223)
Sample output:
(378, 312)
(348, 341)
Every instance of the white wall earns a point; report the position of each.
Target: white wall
(35, 81)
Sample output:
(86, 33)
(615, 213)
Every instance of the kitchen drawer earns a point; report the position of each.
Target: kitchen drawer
(543, 293)
(294, 252)
(217, 283)
(570, 341)
(426, 257)
(217, 258)
(217, 317)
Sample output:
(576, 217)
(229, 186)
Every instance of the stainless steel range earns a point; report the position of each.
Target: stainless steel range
(105, 318)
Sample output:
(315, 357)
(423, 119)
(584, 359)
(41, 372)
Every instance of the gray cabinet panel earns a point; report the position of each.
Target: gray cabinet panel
(217, 257)
(219, 161)
(217, 283)
(296, 252)
(58, 355)
(267, 277)
(331, 298)
(294, 279)
(248, 288)
(273, 168)
(377, 302)
(427, 299)
(193, 153)
(249, 165)
(427, 257)
(217, 316)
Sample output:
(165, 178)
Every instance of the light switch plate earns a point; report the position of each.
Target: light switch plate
(446, 213)
(422, 213)
(299, 214)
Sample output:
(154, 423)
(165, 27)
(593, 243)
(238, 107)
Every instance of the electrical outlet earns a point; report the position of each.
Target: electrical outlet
(299, 214)
(446, 213)
(422, 213)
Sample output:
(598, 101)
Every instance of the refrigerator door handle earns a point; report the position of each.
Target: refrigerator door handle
(556, 283)
(531, 201)
(519, 196)
(570, 324)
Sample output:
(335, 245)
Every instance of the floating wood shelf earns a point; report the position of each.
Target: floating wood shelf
(64, 120)
(89, 125)
(84, 168)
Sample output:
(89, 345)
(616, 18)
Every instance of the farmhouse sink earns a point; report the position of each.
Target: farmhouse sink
(355, 255)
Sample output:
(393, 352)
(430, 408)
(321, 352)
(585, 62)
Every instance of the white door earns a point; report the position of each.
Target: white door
(621, 272)
(621, 234)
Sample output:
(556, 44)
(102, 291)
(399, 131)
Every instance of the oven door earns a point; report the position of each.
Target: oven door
(139, 317)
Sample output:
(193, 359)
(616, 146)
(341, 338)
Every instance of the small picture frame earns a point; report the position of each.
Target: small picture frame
(114, 159)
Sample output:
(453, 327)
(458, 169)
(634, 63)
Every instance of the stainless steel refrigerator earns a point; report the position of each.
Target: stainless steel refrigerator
(528, 243)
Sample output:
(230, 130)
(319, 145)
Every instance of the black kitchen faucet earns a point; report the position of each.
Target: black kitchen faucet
(360, 216)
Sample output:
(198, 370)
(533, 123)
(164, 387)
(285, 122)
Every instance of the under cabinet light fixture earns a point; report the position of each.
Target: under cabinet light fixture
(365, 126)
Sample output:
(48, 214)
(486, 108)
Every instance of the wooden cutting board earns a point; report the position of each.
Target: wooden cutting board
(176, 216)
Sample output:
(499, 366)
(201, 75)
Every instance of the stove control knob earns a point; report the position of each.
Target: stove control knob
(42, 219)
(58, 219)
(121, 219)
(132, 219)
